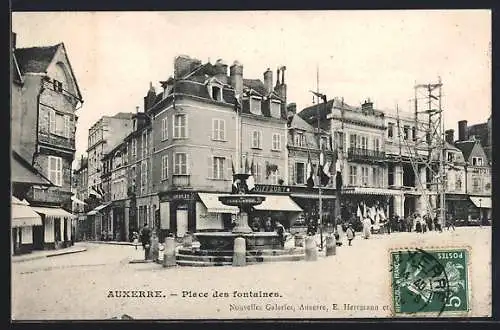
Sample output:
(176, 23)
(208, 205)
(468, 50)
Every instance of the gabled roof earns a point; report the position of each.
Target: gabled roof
(466, 147)
(301, 124)
(35, 59)
(38, 59)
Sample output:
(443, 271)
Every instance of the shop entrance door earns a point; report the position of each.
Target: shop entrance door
(182, 222)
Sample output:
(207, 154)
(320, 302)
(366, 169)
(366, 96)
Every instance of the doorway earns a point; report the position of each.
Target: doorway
(39, 235)
(182, 222)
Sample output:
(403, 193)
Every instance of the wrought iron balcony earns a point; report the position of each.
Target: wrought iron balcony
(181, 180)
(365, 154)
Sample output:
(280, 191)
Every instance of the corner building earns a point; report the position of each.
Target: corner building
(197, 135)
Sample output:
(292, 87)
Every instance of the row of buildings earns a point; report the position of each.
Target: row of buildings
(166, 165)
(45, 98)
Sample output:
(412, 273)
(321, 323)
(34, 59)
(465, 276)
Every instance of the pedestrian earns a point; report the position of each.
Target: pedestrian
(135, 239)
(268, 226)
(367, 224)
(280, 230)
(350, 233)
(451, 223)
(146, 239)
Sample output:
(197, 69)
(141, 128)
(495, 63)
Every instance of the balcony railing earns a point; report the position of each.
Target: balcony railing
(181, 180)
(56, 140)
(365, 154)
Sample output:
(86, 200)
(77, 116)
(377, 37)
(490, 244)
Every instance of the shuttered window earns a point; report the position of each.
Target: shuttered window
(55, 170)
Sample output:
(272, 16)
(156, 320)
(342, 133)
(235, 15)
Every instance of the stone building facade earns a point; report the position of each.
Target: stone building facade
(43, 124)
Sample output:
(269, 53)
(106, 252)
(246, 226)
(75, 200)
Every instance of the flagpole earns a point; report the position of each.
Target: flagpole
(320, 202)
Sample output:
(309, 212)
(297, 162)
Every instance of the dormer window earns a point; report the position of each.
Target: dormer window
(57, 85)
(275, 106)
(217, 93)
(215, 90)
(255, 105)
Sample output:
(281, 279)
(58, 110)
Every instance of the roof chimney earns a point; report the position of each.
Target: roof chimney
(221, 71)
(236, 77)
(367, 106)
(268, 81)
(462, 130)
(449, 136)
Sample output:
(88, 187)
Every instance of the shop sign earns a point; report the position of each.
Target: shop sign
(264, 188)
(182, 196)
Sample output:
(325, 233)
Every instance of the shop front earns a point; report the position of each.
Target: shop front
(98, 222)
(277, 207)
(24, 219)
(374, 203)
(457, 206)
(177, 214)
(480, 209)
(55, 232)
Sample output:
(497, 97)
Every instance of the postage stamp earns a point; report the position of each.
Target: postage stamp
(430, 282)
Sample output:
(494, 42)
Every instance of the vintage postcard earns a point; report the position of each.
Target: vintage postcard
(246, 165)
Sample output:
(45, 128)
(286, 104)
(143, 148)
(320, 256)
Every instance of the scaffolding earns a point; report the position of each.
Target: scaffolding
(427, 150)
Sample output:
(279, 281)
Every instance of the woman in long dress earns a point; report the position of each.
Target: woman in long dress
(367, 224)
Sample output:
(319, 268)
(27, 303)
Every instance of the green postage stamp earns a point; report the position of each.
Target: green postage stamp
(430, 282)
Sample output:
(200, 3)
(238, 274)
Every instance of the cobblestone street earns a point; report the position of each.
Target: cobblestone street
(76, 286)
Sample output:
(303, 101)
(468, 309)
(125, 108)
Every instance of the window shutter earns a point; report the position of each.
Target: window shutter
(210, 167)
(222, 129)
(52, 121)
(174, 133)
(187, 164)
(166, 167)
(67, 127)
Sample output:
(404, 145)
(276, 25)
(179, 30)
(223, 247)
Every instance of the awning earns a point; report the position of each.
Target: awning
(53, 212)
(99, 208)
(23, 215)
(482, 202)
(213, 204)
(278, 203)
(312, 196)
(371, 191)
(78, 201)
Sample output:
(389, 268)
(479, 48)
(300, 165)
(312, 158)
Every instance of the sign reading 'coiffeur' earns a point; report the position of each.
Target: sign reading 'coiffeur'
(271, 188)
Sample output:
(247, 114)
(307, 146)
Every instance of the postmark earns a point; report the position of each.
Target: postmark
(431, 282)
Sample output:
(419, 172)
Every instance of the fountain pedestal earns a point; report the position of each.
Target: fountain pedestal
(255, 241)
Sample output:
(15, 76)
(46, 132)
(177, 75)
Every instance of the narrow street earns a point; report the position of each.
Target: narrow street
(76, 286)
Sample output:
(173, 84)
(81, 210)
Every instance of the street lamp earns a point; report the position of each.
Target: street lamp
(480, 218)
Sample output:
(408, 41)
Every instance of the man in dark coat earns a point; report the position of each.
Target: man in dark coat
(146, 238)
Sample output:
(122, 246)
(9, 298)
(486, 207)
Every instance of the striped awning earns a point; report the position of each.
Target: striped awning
(23, 215)
(278, 203)
(213, 205)
(312, 196)
(371, 191)
(53, 212)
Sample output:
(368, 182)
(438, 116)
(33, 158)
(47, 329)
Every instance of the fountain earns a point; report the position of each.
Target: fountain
(216, 248)
(254, 240)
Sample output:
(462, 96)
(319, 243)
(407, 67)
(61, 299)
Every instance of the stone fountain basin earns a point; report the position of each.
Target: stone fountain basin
(225, 240)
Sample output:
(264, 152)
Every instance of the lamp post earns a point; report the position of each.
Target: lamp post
(480, 215)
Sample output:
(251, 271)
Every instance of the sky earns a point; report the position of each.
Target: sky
(357, 55)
